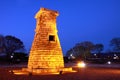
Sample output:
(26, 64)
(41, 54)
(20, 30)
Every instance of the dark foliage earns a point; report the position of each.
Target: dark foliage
(13, 44)
(98, 48)
(115, 44)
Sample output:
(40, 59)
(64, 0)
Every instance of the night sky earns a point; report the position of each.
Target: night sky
(97, 21)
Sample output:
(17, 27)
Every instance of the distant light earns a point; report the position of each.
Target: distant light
(11, 56)
(94, 54)
(81, 64)
(109, 62)
(115, 55)
(71, 55)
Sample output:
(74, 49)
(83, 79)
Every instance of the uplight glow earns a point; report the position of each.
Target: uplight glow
(81, 64)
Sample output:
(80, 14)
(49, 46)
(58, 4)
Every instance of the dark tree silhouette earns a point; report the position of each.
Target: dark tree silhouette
(13, 44)
(82, 49)
(98, 48)
(115, 44)
(2, 44)
(87, 47)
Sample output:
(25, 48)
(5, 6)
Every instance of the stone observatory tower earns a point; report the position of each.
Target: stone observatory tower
(46, 52)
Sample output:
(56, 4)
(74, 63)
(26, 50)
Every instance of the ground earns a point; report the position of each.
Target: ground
(91, 72)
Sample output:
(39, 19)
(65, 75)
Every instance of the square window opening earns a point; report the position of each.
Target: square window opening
(51, 38)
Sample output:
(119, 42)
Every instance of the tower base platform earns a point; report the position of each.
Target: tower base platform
(42, 71)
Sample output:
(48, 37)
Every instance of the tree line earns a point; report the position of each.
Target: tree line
(10, 44)
(86, 48)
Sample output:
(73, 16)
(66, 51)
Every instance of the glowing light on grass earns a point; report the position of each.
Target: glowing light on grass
(81, 64)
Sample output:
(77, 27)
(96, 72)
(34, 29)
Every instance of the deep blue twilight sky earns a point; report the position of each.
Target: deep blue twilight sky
(97, 21)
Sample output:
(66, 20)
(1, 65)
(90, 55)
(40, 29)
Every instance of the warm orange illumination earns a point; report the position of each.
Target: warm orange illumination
(46, 52)
(81, 64)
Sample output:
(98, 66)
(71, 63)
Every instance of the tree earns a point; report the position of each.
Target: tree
(13, 44)
(2, 44)
(98, 48)
(81, 50)
(115, 44)
(70, 54)
(87, 47)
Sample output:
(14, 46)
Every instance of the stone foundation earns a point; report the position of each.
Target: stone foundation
(47, 70)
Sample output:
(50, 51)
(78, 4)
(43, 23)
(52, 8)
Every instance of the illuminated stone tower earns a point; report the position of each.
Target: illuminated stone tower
(46, 52)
